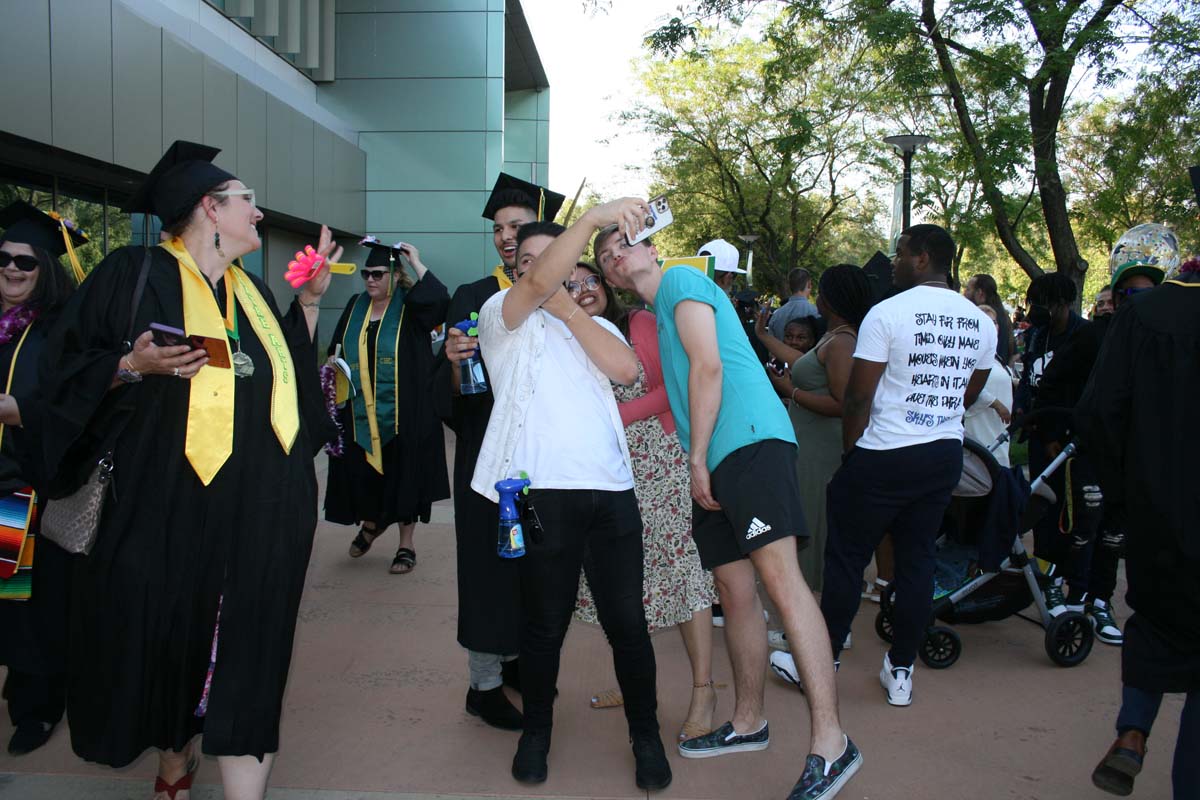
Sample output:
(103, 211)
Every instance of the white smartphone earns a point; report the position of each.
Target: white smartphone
(660, 217)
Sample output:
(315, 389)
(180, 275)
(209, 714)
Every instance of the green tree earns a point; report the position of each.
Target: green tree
(1034, 51)
(752, 148)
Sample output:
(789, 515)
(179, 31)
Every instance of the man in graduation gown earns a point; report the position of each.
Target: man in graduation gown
(488, 589)
(1137, 418)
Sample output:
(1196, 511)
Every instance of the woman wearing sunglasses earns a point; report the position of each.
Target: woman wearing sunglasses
(183, 614)
(392, 466)
(677, 591)
(34, 572)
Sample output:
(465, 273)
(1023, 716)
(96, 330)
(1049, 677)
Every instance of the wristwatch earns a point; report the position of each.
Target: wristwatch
(127, 374)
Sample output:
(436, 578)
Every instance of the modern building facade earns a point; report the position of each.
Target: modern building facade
(390, 117)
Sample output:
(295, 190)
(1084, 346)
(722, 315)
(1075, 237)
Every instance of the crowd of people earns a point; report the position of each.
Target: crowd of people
(680, 441)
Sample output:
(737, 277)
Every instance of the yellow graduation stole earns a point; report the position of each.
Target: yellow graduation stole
(209, 440)
(502, 277)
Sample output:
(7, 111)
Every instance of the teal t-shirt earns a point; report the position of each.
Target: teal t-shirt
(750, 410)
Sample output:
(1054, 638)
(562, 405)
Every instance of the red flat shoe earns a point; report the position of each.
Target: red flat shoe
(183, 784)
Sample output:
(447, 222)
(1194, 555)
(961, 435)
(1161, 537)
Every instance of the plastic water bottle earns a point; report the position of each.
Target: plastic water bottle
(470, 369)
(510, 541)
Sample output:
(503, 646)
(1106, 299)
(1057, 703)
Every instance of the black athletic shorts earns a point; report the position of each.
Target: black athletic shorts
(759, 497)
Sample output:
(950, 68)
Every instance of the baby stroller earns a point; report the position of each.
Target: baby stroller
(983, 571)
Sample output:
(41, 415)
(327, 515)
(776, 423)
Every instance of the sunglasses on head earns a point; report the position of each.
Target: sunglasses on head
(374, 274)
(23, 263)
(591, 283)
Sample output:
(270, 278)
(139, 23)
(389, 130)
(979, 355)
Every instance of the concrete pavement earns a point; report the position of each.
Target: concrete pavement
(374, 710)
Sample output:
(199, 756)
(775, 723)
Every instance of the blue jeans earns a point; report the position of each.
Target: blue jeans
(1138, 710)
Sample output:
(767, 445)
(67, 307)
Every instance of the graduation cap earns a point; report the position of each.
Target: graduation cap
(181, 177)
(879, 272)
(510, 191)
(382, 255)
(29, 225)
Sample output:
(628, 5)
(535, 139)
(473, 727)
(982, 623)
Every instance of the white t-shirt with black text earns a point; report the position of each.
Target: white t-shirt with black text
(932, 341)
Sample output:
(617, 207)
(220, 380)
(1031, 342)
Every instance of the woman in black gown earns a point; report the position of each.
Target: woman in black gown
(34, 286)
(215, 497)
(393, 465)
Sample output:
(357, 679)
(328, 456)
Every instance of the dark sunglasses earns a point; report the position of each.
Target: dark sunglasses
(374, 274)
(23, 263)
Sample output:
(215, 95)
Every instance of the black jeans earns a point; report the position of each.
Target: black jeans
(903, 492)
(602, 532)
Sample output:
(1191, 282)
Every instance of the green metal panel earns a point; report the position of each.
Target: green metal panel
(419, 160)
(495, 104)
(137, 90)
(435, 212)
(81, 63)
(302, 203)
(412, 104)
(495, 43)
(418, 45)
(519, 169)
(357, 6)
(25, 51)
(220, 113)
(183, 85)
(522, 104)
(279, 155)
(520, 140)
(252, 139)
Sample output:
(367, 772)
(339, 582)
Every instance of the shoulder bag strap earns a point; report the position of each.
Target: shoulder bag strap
(138, 289)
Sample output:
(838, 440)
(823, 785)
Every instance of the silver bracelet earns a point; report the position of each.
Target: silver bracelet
(308, 305)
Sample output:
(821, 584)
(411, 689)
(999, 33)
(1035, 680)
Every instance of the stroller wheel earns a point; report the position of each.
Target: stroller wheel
(941, 648)
(1069, 639)
(883, 625)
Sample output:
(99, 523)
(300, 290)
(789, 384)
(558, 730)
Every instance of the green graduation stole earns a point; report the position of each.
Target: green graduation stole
(376, 418)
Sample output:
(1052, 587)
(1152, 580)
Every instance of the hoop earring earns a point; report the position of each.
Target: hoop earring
(217, 243)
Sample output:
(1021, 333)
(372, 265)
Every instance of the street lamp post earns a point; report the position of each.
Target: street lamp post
(749, 239)
(907, 144)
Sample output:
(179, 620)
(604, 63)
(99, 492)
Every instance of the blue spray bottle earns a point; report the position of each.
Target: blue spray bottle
(510, 542)
(470, 369)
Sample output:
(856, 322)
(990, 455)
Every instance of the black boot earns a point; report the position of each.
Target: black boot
(510, 673)
(652, 771)
(494, 708)
(529, 764)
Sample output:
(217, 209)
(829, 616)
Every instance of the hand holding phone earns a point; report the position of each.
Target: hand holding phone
(217, 349)
(660, 217)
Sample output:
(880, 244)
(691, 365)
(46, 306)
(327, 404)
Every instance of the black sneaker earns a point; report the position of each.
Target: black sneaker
(494, 708)
(652, 772)
(822, 780)
(725, 740)
(529, 764)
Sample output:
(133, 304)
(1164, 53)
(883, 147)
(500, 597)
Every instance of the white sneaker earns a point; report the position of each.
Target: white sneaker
(783, 665)
(777, 640)
(896, 681)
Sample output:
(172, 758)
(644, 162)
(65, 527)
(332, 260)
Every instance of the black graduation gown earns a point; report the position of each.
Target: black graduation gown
(144, 602)
(489, 593)
(33, 632)
(414, 461)
(1137, 418)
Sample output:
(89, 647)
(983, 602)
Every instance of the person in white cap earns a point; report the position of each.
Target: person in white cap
(726, 267)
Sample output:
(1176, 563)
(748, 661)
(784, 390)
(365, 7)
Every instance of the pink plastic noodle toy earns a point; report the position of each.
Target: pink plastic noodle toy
(305, 265)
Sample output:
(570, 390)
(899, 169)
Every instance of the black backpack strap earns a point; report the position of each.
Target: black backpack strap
(138, 290)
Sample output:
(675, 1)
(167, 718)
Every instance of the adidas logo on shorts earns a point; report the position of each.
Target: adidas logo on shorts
(757, 528)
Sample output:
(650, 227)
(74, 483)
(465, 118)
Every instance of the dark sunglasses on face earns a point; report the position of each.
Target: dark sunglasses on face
(23, 263)
(374, 274)
(591, 283)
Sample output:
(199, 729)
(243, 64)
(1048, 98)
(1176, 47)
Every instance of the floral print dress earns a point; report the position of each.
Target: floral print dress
(674, 585)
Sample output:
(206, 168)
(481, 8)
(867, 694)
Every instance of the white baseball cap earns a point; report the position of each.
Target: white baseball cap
(725, 253)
